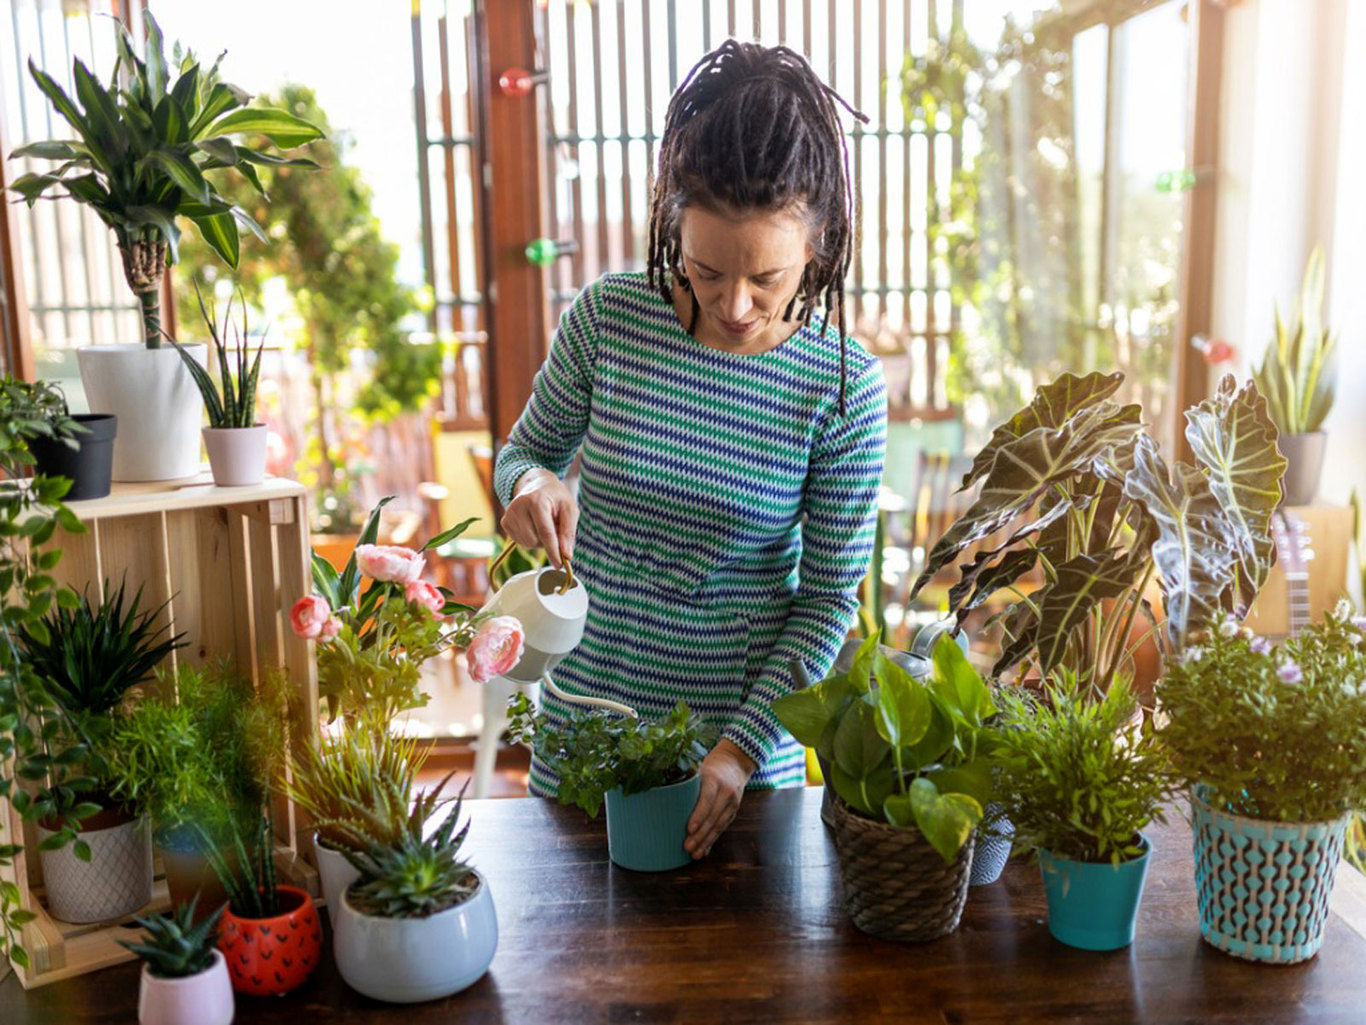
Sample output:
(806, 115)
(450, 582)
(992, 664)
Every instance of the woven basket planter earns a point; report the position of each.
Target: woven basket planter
(1263, 887)
(896, 886)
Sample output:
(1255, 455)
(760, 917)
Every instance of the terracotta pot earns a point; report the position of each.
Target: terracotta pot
(335, 548)
(188, 873)
(271, 956)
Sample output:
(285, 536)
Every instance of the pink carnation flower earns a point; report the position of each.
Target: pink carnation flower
(311, 618)
(390, 563)
(496, 648)
(426, 595)
(330, 629)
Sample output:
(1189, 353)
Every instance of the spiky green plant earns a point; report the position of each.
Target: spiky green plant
(356, 787)
(417, 876)
(232, 402)
(174, 947)
(1296, 373)
(251, 886)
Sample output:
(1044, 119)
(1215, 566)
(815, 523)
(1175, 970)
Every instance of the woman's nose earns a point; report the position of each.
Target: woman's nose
(736, 302)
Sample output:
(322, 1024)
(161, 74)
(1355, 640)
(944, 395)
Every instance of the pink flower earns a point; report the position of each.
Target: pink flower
(421, 593)
(311, 616)
(496, 648)
(389, 563)
(1260, 646)
(1290, 673)
(330, 629)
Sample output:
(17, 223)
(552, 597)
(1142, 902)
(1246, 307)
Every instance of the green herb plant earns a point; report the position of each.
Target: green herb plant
(914, 754)
(31, 410)
(419, 872)
(1296, 374)
(1274, 731)
(594, 751)
(232, 402)
(174, 947)
(1079, 777)
(149, 150)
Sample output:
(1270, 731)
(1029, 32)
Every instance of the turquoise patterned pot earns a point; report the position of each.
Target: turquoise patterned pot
(1263, 887)
(645, 831)
(1093, 905)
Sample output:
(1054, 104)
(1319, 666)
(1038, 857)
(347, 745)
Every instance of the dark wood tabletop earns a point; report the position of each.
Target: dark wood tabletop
(756, 933)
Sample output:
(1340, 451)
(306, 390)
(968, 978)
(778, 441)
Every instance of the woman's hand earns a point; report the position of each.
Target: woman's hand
(724, 771)
(542, 514)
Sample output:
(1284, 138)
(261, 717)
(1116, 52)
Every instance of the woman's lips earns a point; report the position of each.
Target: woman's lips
(739, 330)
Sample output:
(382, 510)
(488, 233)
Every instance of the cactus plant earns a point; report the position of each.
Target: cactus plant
(174, 947)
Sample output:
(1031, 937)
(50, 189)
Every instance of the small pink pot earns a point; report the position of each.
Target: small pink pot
(202, 999)
(237, 455)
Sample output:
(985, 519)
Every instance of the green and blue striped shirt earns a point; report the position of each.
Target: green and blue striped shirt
(726, 510)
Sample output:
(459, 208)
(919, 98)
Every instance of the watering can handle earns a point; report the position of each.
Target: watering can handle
(576, 699)
(508, 549)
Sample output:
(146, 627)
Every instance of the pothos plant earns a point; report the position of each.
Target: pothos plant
(1073, 485)
(917, 754)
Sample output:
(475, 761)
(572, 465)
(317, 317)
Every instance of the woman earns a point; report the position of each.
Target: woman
(732, 443)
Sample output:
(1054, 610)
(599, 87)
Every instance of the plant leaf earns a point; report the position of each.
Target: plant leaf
(947, 820)
(282, 128)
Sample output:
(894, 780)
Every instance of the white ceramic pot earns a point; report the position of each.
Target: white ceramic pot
(336, 874)
(237, 455)
(116, 881)
(552, 622)
(157, 403)
(201, 999)
(405, 960)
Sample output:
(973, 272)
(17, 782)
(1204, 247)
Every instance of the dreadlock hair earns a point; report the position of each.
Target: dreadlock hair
(754, 128)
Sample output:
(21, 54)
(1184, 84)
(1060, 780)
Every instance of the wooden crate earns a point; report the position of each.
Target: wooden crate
(228, 563)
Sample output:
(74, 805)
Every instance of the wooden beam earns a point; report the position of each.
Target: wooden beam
(17, 355)
(515, 214)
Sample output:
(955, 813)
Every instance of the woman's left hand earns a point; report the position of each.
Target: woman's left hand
(724, 771)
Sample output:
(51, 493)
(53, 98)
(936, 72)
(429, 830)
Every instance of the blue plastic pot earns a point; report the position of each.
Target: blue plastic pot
(1093, 905)
(645, 831)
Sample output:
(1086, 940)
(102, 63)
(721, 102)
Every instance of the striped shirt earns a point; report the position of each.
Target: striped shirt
(726, 510)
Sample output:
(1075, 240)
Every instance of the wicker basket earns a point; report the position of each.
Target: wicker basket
(896, 886)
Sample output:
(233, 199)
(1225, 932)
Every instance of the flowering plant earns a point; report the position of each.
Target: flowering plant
(1276, 731)
(372, 642)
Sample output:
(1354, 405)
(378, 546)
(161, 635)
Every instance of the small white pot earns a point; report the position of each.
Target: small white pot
(202, 999)
(237, 455)
(405, 960)
(116, 881)
(157, 403)
(335, 872)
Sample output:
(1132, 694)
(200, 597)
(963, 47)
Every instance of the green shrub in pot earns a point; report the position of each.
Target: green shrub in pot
(184, 975)
(1270, 737)
(1081, 778)
(34, 415)
(645, 770)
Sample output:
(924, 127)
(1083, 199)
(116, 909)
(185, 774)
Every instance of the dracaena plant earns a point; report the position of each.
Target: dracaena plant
(232, 402)
(1296, 373)
(1074, 486)
(917, 754)
(149, 148)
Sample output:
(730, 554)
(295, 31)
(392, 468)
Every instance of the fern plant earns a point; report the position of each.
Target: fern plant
(232, 402)
(174, 947)
(1296, 373)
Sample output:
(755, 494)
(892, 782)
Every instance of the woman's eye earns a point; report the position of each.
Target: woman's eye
(766, 281)
(706, 275)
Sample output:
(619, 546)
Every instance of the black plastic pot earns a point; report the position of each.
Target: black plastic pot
(88, 465)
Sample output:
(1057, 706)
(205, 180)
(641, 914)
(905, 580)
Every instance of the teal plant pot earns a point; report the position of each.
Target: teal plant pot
(1093, 905)
(645, 831)
(1263, 887)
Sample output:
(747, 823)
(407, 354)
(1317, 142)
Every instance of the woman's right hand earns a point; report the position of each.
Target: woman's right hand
(542, 514)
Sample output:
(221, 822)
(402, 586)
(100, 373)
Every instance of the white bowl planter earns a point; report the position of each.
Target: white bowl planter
(237, 455)
(201, 999)
(335, 873)
(116, 881)
(405, 960)
(157, 404)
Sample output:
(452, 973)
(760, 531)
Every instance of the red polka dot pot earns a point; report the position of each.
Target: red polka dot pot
(271, 956)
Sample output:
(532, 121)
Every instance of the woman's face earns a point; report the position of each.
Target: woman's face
(744, 271)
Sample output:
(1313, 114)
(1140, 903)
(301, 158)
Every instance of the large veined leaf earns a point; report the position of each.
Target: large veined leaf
(1233, 438)
(1019, 625)
(980, 581)
(1052, 406)
(1194, 562)
(1024, 469)
(1067, 602)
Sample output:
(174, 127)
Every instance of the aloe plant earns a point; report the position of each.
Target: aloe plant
(1296, 374)
(147, 153)
(1077, 487)
(173, 946)
(232, 402)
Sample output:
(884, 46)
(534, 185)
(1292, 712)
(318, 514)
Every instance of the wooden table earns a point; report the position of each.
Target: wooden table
(756, 933)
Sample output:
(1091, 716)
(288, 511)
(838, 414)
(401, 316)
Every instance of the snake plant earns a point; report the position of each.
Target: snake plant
(232, 402)
(149, 148)
(1296, 373)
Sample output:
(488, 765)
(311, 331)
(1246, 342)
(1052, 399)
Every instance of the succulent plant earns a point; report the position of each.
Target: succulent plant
(415, 877)
(174, 946)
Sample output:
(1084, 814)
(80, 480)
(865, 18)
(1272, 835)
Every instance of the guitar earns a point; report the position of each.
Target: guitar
(1294, 551)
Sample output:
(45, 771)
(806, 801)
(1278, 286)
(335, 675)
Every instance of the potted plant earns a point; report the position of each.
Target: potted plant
(1297, 378)
(1077, 487)
(357, 789)
(79, 448)
(911, 767)
(197, 754)
(1269, 737)
(644, 770)
(88, 658)
(271, 934)
(184, 975)
(419, 923)
(151, 146)
(1081, 781)
(235, 439)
